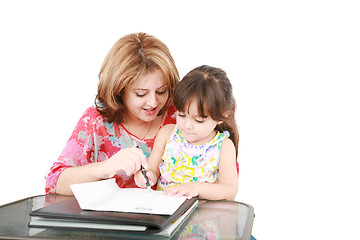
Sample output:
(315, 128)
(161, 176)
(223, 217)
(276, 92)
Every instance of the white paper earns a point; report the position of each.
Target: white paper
(107, 196)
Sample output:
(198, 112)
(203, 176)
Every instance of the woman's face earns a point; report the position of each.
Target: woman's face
(145, 97)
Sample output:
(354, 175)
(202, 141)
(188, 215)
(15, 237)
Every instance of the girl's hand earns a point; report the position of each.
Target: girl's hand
(127, 159)
(186, 189)
(141, 181)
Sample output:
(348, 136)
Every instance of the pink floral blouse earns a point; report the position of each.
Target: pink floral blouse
(95, 140)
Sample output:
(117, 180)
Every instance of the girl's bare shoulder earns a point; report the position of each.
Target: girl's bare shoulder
(165, 131)
(227, 149)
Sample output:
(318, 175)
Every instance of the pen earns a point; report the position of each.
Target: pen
(143, 170)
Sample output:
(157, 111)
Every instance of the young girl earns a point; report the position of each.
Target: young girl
(197, 156)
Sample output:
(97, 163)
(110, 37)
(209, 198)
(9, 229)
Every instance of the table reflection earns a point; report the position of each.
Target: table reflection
(210, 220)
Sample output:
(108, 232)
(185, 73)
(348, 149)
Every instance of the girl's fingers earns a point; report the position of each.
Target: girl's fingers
(180, 191)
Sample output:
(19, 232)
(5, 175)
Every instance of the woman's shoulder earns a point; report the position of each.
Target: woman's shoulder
(91, 114)
(90, 117)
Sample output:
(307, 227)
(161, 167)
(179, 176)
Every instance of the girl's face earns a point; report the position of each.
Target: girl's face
(145, 97)
(195, 129)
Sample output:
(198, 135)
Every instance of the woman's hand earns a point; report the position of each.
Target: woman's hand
(141, 181)
(189, 190)
(127, 159)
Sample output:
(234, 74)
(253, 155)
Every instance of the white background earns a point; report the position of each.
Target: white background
(294, 66)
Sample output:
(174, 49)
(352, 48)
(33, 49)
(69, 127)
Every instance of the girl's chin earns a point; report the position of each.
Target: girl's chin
(190, 139)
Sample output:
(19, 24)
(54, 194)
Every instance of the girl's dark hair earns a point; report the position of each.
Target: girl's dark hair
(213, 91)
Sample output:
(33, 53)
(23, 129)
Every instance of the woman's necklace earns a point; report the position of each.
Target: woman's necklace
(141, 138)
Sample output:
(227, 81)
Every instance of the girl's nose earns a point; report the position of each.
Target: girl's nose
(188, 123)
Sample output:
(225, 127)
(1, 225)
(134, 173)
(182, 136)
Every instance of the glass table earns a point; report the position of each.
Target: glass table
(210, 220)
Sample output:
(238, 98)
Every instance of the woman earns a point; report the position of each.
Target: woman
(137, 81)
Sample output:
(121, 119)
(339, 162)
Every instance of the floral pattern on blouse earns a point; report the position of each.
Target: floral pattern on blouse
(95, 140)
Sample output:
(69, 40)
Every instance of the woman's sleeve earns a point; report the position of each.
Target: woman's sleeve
(77, 151)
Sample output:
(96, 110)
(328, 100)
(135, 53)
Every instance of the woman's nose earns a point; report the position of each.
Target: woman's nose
(152, 100)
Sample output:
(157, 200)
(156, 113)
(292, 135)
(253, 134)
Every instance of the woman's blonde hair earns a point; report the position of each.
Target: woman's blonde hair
(131, 57)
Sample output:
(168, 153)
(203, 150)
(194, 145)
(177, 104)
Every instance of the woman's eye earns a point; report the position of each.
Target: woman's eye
(199, 120)
(181, 115)
(140, 93)
(161, 93)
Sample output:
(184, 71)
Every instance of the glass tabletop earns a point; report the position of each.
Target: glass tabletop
(210, 220)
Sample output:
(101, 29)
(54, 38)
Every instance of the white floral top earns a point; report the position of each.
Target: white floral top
(183, 162)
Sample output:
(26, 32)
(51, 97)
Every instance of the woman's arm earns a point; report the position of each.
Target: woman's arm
(128, 160)
(225, 188)
(82, 159)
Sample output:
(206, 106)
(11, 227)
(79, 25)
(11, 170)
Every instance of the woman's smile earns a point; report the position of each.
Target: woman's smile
(149, 111)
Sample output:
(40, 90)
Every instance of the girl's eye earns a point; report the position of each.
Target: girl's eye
(181, 115)
(199, 120)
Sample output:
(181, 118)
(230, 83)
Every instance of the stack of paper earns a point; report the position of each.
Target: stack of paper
(107, 196)
(106, 207)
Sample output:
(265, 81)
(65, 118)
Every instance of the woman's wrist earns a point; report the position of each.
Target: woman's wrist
(101, 170)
